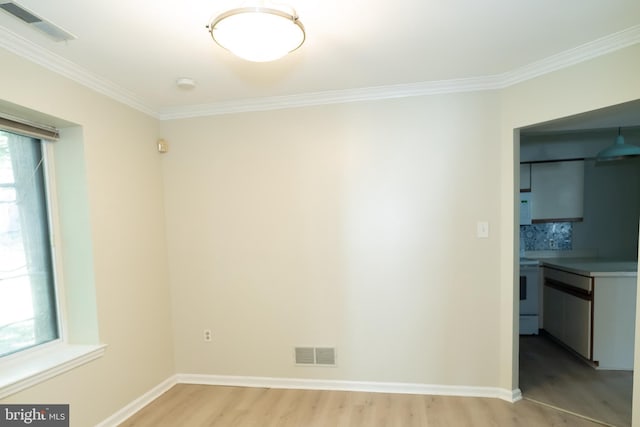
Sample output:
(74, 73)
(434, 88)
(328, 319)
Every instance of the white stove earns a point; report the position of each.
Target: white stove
(529, 297)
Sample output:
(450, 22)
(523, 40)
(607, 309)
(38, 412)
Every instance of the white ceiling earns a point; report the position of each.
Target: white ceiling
(134, 50)
(625, 115)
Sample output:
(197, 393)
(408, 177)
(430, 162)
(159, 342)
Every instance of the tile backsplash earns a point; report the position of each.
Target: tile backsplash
(555, 236)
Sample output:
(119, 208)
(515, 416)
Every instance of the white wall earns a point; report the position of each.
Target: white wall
(348, 225)
(119, 229)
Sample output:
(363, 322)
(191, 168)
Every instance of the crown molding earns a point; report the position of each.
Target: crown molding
(585, 52)
(574, 56)
(37, 54)
(331, 97)
(49, 60)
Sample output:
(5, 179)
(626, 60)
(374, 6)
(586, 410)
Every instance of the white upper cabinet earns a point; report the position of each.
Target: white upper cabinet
(525, 177)
(557, 191)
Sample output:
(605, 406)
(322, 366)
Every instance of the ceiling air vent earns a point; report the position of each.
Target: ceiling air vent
(51, 30)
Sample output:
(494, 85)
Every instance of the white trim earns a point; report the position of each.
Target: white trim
(142, 401)
(24, 371)
(39, 55)
(49, 60)
(331, 97)
(565, 59)
(582, 53)
(363, 386)
(512, 396)
(132, 408)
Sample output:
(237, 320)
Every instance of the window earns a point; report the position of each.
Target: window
(28, 308)
(43, 193)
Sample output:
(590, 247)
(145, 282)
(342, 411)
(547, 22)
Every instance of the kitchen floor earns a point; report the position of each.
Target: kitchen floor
(552, 375)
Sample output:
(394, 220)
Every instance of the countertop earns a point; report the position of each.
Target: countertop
(594, 267)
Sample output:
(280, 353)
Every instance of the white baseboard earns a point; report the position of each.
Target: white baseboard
(365, 386)
(133, 407)
(512, 396)
(308, 384)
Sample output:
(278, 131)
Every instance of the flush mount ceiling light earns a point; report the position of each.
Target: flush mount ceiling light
(619, 150)
(259, 33)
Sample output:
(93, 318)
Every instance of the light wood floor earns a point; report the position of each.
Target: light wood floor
(187, 405)
(551, 374)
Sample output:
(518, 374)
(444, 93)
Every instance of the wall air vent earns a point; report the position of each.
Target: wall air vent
(305, 356)
(51, 30)
(322, 356)
(325, 356)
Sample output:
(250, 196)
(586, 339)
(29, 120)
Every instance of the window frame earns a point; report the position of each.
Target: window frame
(56, 270)
(53, 219)
(41, 362)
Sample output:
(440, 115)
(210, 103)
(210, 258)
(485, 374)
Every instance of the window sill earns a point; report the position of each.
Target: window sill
(26, 371)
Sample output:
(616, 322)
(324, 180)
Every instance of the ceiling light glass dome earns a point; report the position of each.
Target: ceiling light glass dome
(258, 34)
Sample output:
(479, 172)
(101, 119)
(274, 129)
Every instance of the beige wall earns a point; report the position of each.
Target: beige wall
(115, 148)
(354, 226)
(351, 226)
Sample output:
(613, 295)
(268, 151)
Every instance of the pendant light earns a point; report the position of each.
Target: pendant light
(258, 33)
(619, 150)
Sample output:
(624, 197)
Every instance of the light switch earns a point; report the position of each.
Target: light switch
(483, 229)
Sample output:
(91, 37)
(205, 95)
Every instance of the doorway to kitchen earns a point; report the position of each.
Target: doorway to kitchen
(552, 369)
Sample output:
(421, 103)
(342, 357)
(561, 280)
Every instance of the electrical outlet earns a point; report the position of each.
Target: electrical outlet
(207, 335)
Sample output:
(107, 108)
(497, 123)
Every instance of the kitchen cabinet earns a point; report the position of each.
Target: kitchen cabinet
(590, 308)
(553, 303)
(525, 176)
(567, 311)
(577, 324)
(614, 322)
(557, 191)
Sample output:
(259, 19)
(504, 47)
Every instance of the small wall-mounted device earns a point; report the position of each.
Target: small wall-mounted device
(163, 146)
